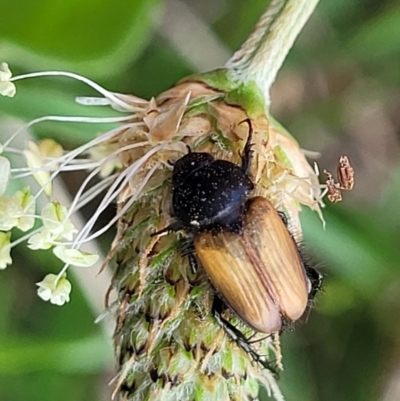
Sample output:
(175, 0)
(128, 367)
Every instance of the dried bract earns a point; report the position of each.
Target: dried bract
(345, 177)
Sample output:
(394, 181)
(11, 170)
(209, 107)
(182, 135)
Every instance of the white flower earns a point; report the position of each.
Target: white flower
(37, 157)
(5, 258)
(54, 290)
(5, 168)
(7, 88)
(41, 240)
(55, 221)
(75, 257)
(8, 212)
(25, 201)
(56, 226)
(13, 213)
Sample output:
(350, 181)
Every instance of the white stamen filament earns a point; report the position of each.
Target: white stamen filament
(91, 120)
(13, 150)
(94, 191)
(101, 101)
(97, 170)
(125, 208)
(74, 153)
(26, 171)
(107, 94)
(25, 237)
(88, 226)
(112, 193)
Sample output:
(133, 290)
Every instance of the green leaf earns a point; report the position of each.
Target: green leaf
(354, 251)
(378, 38)
(33, 101)
(86, 355)
(92, 36)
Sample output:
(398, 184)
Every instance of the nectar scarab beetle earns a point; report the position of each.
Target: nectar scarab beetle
(242, 243)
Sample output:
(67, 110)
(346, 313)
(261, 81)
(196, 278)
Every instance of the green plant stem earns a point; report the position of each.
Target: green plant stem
(262, 54)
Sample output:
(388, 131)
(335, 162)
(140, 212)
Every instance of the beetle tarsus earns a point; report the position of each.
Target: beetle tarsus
(193, 263)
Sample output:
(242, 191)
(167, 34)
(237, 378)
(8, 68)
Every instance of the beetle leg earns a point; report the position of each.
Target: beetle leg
(194, 265)
(316, 281)
(186, 249)
(257, 340)
(173, 227)
(283, 218)
(238, 337)
(247, 151)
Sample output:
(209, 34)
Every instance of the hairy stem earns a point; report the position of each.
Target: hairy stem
(262, 54)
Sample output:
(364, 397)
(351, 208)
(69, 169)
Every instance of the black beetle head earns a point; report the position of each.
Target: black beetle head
(184, 166)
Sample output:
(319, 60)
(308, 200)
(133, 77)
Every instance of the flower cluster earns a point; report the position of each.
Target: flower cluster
(51, 228)
(147, 135)
(130, 166)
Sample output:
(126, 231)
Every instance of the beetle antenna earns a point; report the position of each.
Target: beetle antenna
(189, 149)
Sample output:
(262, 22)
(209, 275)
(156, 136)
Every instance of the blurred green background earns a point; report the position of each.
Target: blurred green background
(338, 93)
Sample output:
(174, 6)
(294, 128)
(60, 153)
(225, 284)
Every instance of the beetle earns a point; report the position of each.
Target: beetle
(242, 242)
